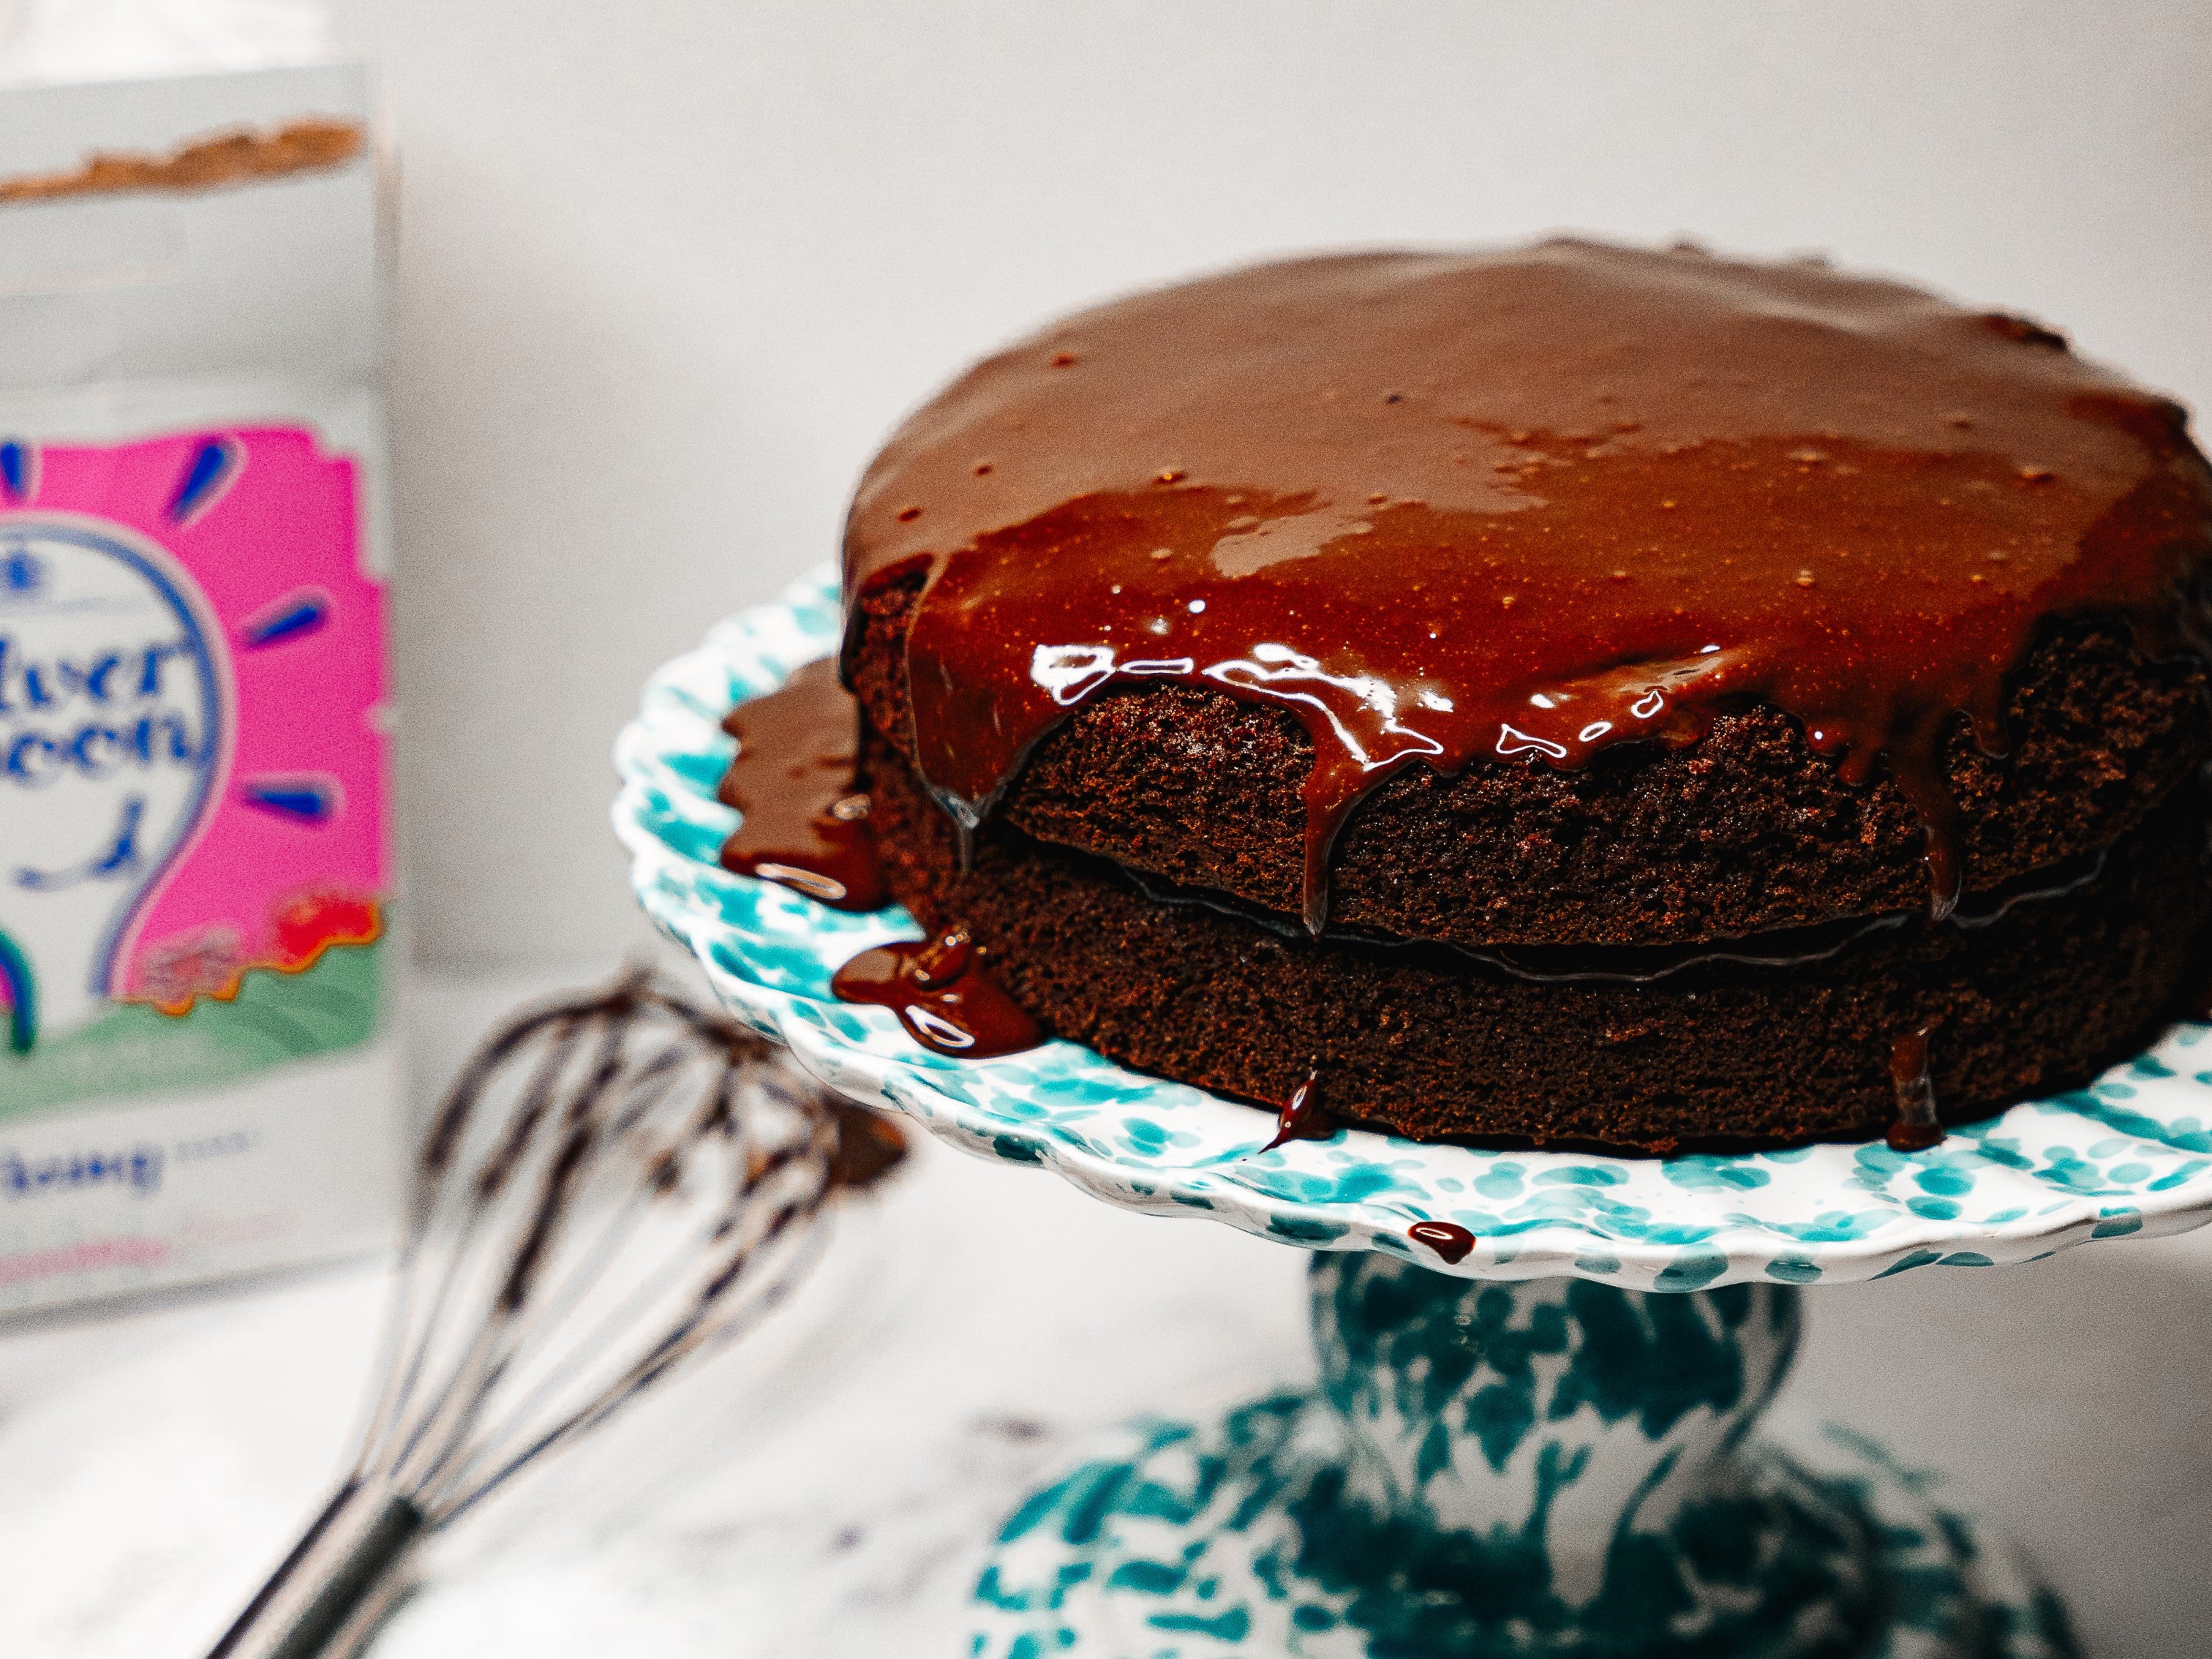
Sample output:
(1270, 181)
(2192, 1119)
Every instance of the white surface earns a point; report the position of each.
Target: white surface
(668, 272)
(827, 1490)
(51, 40)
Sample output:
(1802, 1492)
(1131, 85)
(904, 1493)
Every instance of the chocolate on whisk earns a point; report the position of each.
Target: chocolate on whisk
(615, 1184)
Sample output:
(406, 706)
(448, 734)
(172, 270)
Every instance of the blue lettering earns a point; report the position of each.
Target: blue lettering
(120, 858)
(139, 1168)
(80, 750)
(149, 682)
(95, 679)
(35, 758)
(108, 677)
(146, 735)
(19, 759)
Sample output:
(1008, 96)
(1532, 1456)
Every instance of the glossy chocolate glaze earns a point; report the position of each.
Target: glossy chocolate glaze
(1303, 1116)
(942, 995)
(806, 828)
(1447, 1239)
(805, 825)
(1917, 1126)
(1525, 504)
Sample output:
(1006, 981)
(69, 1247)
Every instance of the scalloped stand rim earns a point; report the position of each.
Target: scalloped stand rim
(2130, 1155)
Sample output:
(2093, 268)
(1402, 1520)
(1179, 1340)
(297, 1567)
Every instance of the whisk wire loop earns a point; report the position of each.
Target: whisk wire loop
(614, 1186)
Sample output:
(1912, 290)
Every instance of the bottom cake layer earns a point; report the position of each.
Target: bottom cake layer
(2024, 992)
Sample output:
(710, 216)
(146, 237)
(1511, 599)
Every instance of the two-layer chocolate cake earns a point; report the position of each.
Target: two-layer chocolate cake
(1577, 693)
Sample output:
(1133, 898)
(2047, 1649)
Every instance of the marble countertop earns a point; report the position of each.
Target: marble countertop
(827, 1488)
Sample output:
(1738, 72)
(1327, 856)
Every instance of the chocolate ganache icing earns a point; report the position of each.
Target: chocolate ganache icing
(806, 821)
(1523, 504)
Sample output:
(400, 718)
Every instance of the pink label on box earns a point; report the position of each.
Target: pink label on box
(192, 758)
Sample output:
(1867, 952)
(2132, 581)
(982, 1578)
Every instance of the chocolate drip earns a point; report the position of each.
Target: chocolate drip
(1918, 1126)
(1447, 1239)
(941, 994)
(1523, 506)
(805, 826)
(1303, 1117)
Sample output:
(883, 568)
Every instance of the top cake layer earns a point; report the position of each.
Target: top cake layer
(1491, 516)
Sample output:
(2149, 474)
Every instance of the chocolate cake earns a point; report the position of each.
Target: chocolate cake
(1574, 693)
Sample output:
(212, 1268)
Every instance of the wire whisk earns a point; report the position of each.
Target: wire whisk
(614, 1186)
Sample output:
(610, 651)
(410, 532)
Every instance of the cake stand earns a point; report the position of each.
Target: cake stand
(1541, 1372)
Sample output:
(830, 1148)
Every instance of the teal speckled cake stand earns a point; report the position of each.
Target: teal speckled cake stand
(1541, 1446)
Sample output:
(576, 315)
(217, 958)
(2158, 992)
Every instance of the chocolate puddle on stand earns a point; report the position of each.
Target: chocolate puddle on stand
(1447, 1239)
(805, 826)
(937, 989)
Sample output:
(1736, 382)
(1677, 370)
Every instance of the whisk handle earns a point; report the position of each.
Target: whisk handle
(331, 1574)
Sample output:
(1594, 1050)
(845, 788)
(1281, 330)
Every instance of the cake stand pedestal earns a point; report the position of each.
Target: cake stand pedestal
(1535, 1441)
(1539, 1468)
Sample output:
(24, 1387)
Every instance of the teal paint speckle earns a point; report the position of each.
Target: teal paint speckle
(1584, 1174)
(1945, 1180)
(1909, 1260)
(1148, 1578)
(1144, 1135)
(1231, 1627)
(1692, 1270)
(1501, 1181)
(1715, 1174)
(1300, 1230)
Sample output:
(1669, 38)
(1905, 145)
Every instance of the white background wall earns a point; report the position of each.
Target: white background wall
(671, 268)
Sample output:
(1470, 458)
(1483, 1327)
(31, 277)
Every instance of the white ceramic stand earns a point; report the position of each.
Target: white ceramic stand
(1541, 1370)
